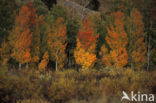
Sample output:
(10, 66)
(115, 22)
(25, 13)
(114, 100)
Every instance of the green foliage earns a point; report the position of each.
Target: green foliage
(100, 25)
(41, 7)
(43, 37)
(56, 12)
(151, 30)
(73, 26)
(59, 11)
(7, 15)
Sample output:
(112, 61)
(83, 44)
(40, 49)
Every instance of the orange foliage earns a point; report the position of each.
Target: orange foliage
(27, 17)
(21, 50)
(137, 43)
(106, 59)
(119, 57)
(84, 58)
(27, 56)
(56, 42)
(117, 41)
(117, 35)
(87, 35)
(21, 35)
(86, 43)
(44, 62)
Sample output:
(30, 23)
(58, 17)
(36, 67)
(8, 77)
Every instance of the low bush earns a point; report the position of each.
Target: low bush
(70, 86)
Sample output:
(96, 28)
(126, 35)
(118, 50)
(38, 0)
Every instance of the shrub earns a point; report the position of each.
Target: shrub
(70, 86)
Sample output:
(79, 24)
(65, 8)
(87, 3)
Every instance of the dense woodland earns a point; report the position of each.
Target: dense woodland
(48, 55)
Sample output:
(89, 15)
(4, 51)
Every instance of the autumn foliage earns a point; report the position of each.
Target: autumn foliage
(62, 42)
(87, 58)
(86, 43)
(21, 50)
(21, 36)
(84, 58)
(117, 41)
(87, 35)
(137, 44)
(56, 43)
(27, 17)
(43, 64)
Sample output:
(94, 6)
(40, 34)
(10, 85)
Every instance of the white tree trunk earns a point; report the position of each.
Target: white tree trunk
(27, 66)
(19, 66)
(56, 65)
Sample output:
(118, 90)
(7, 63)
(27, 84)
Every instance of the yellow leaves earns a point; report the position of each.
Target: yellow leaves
(43, 64)
(103, 50)
(86, 44)
(105, 57)
(92, 47)
(119, 57)
(85, 58)
(116, 58)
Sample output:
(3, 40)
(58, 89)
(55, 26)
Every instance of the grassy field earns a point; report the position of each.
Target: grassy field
(70, 86)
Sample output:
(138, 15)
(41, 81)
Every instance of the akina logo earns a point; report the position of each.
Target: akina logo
(137, 97)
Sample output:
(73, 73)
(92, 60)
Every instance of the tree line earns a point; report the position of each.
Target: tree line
(36, 36)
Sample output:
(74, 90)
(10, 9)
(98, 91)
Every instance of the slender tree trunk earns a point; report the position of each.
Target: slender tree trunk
(27, 66)
(131, 66)
(148, 52)
(56, 64)
(19, 66)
